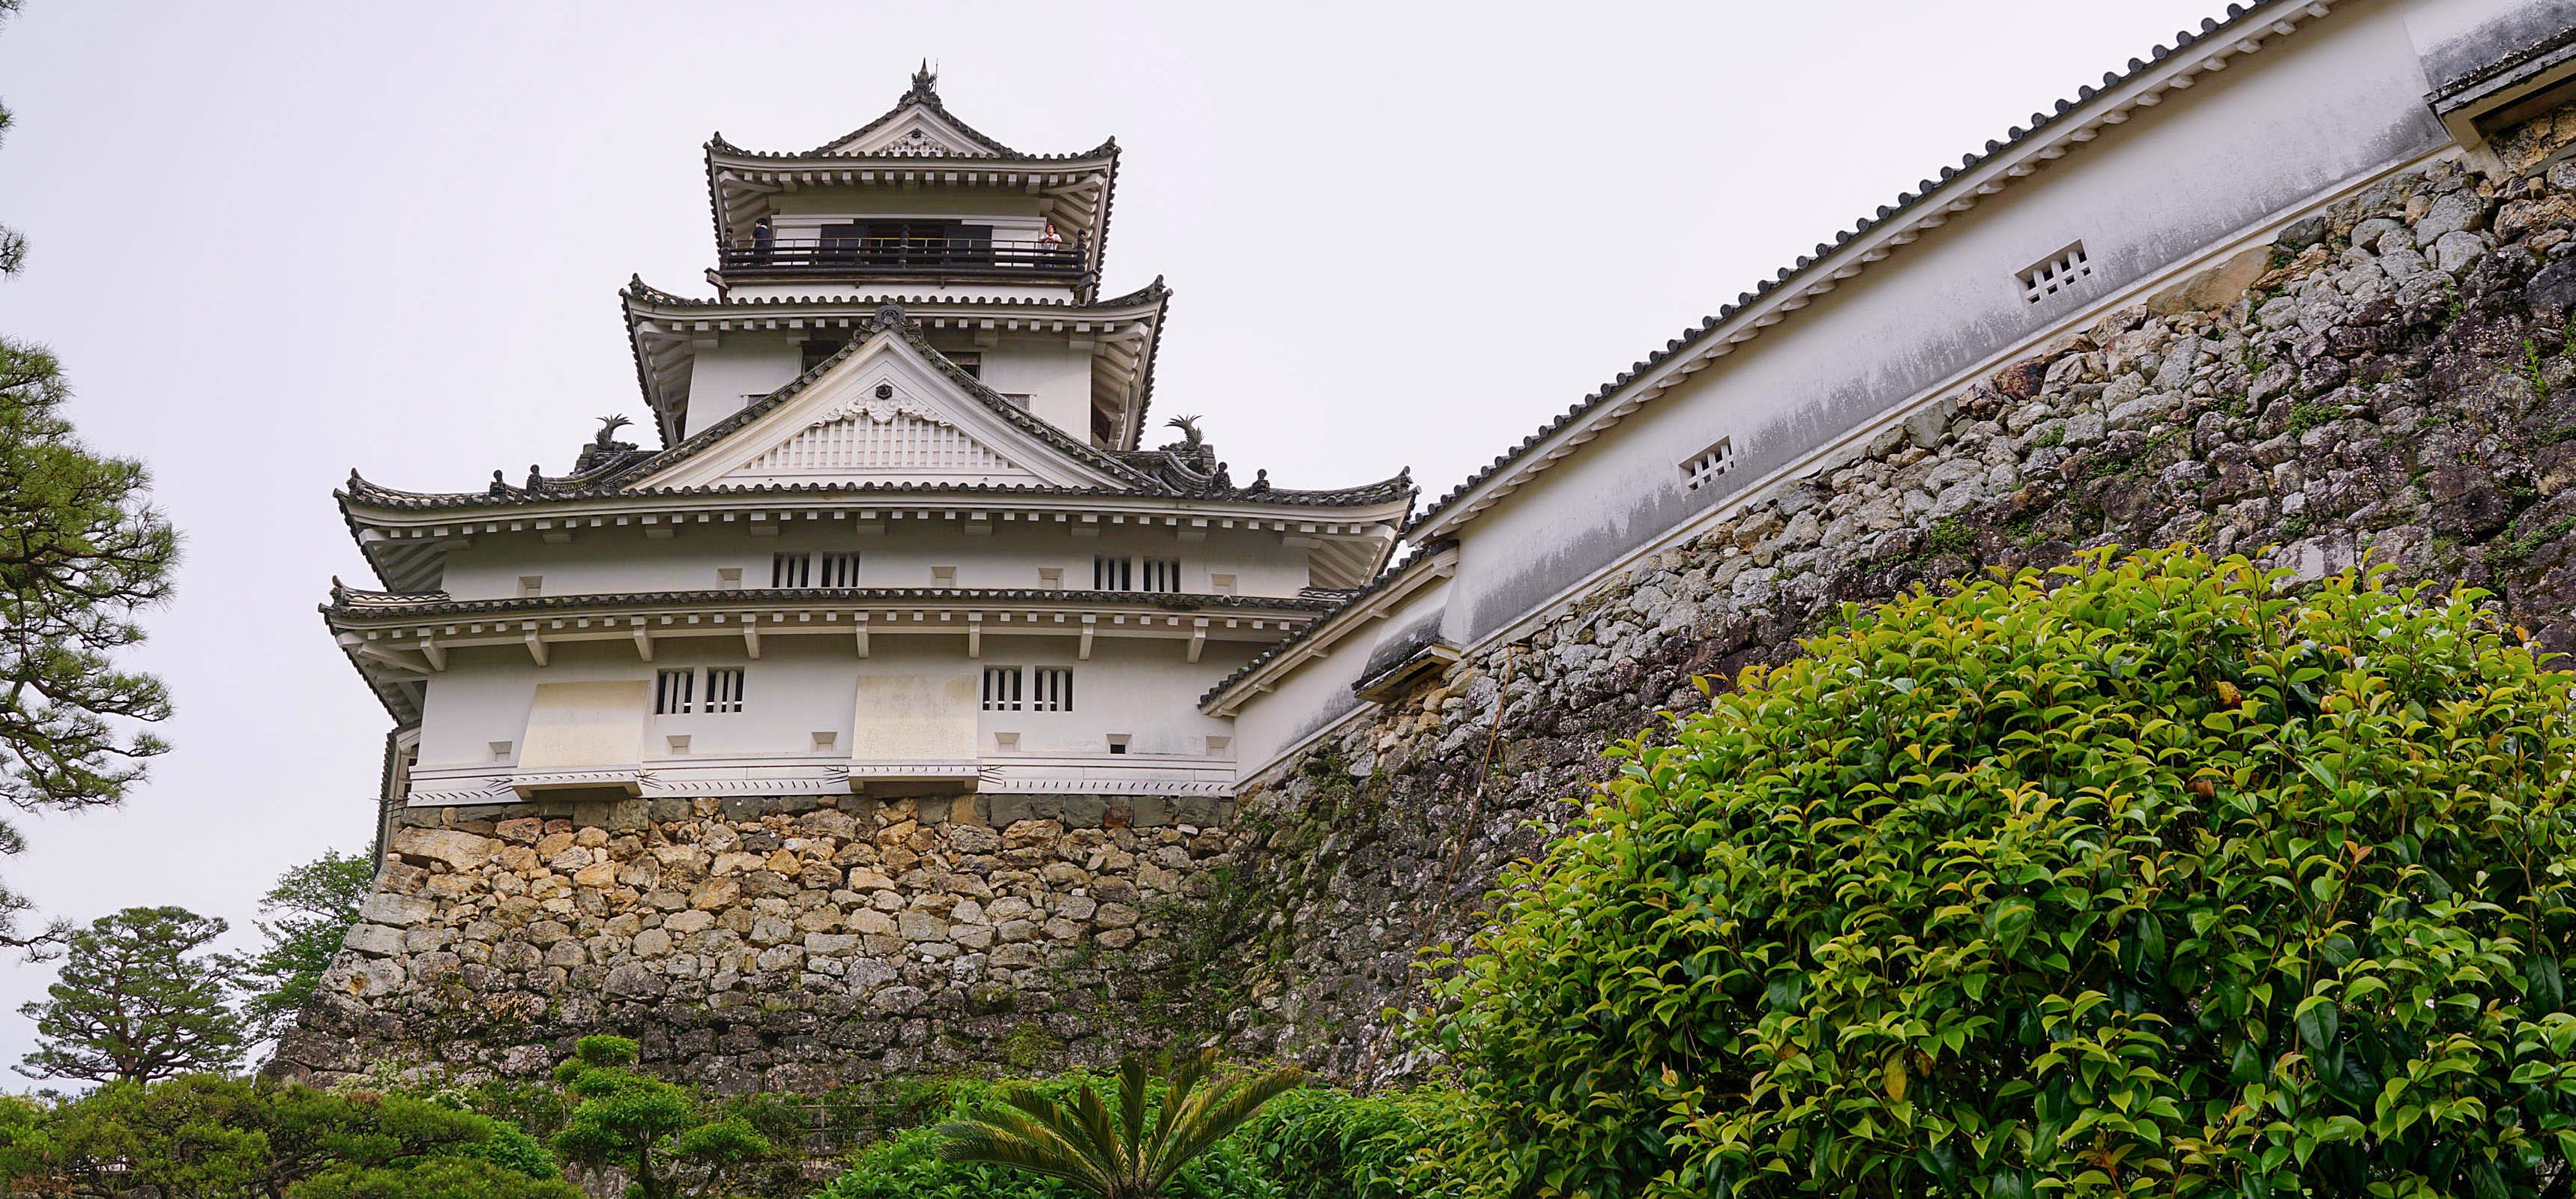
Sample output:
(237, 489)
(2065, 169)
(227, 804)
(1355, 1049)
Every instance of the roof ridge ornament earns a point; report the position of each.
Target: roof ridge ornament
(888, 316)
(925, 85)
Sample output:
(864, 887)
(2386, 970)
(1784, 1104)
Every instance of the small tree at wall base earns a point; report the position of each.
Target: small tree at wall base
(657, 1132)
(311, 909)
(132, 1005)
(1117, 1154)
(2135, 878)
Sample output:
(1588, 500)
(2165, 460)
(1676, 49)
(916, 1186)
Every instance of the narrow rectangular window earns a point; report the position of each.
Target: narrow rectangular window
(1051, 689)
(791, 570)
(1001, 688)
(672, 691)
(1113, 574)
(1703, 468)
(724, 689)
(836, 570)
(1162, 574)
(2054, 274)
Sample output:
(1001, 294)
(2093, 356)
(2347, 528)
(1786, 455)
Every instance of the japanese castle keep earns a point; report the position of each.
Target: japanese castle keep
(926, 696)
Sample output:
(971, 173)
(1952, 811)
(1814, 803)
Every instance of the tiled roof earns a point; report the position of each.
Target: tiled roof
(1108, 150)
(351, 602)
(610, 480)
(889, 319)
(380, 496)
(1384, 580)
(1907, 203)
(1153, 292)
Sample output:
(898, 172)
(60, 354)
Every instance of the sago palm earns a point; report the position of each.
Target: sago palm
(1117, 1155)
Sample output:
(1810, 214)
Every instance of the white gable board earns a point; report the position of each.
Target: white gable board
(918, 133)
(881, 415)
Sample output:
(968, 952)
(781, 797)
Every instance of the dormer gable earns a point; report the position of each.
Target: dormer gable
(919, 132)
(917, 127)
(885, 411)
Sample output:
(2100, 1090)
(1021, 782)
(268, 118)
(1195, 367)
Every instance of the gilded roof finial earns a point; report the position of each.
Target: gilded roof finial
(925, 84)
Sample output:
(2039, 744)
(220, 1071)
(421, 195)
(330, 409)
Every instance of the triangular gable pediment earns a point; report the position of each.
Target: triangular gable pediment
(917, 131)
(880, 414)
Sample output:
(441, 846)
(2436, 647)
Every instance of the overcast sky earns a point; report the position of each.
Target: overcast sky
(275, 241)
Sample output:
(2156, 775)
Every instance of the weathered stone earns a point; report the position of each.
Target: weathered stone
(401, 911)
(374, 940)
(458, 850)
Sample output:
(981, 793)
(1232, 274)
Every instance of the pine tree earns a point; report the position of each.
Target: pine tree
(81, 551)
(132, 1005)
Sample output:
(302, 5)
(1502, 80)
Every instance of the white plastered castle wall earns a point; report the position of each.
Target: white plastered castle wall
(2339, 102)
(615, 560)
(734, 369)
(1319, 696)
(476, 715)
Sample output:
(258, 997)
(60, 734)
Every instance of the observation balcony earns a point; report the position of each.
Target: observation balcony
(1034, 261)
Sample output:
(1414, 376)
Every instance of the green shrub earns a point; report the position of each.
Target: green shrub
(430, 1178)
(2146, 878)
(209, 1137)
(668, 1140)
(1321, 1143)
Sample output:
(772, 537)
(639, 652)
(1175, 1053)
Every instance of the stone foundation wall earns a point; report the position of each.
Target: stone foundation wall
(783, 944)
(2392, 379)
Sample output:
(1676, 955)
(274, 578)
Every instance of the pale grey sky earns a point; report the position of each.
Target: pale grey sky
(272, 241)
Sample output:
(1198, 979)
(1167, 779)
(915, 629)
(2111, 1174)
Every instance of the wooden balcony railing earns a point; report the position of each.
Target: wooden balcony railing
(905, 256)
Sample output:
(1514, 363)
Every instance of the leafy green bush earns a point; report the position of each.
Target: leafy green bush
(1321, 1143)
(430, 1178)
(211, 1137)
(2135, 878)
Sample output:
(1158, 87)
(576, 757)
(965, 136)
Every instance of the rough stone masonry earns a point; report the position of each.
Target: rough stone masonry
(771, 943)
(2391, 379)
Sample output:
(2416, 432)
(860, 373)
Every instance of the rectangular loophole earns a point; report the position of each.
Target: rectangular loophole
(1703, 468)
(2055, 273)
(1001, 688)
(1051, 689)
(724, 689)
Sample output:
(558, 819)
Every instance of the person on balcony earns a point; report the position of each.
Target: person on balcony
(761, 240)
(1050, 241)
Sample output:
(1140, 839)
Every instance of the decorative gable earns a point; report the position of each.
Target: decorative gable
(874, 435)
(920, 132)
(879, 413)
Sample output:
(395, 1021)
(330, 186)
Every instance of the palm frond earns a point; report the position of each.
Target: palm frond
(1183, 1077)
(1100, 1129)
(968, 1142)
(1215, 1113)
(1013, 1138)
(1131, 1111)
(1060, 1121)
